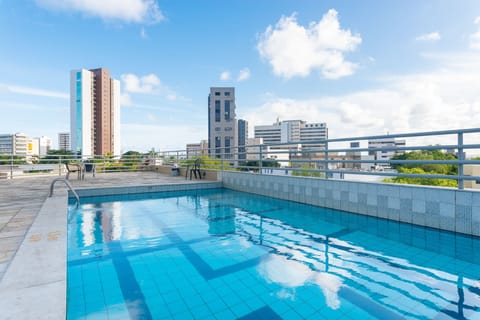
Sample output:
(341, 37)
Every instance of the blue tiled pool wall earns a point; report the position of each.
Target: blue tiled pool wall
(440, 208)
(378, 275)
(314, 219)
(103, 194)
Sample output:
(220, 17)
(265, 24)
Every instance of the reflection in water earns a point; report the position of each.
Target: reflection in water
(340, 254)
(99, 223)
(292, 274)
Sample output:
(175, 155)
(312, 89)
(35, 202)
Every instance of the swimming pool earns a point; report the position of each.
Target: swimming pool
(223, 254)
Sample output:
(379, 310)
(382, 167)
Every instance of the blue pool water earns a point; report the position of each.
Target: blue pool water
(222, 254)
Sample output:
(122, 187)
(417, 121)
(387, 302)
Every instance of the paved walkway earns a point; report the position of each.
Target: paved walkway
(22, 198)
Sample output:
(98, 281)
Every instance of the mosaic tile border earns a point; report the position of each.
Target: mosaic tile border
(440, 208)
(92, 192)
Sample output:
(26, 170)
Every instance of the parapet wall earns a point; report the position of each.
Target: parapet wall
(440, 208)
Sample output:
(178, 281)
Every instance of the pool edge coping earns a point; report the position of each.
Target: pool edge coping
(34, 284)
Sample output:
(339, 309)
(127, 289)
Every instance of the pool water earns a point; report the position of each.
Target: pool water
(222, 254)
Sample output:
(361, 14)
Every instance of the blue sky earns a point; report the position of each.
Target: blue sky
(364, 67)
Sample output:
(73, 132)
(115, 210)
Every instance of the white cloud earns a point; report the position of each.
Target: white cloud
(244, 74)
(439, 100)
(151, 117)
(126, 100)
(225, 76)
(143, 33)
(294, 50)
(172, 97)
(433, 36)
(137, 11)
(33, 91)
(150, 83)
(475, 37)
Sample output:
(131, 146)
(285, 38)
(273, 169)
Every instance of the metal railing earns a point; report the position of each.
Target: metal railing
(329, 158)
(69, 186)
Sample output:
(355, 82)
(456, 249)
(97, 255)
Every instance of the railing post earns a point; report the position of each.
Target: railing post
(325, 161)
(461, 158)
(260, 163)
(59, 165)
(11, 166)
(222, 159)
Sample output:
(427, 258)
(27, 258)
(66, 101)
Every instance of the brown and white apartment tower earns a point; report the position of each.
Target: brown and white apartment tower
(94, 112)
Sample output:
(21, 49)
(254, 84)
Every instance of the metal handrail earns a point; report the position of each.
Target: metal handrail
(325, 157)
(68, 184)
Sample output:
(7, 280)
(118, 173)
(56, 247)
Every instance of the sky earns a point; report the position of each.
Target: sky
(365, 67)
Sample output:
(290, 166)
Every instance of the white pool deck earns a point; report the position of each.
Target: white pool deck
(33, 240)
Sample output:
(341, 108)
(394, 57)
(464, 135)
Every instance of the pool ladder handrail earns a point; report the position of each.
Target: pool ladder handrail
(68, 184)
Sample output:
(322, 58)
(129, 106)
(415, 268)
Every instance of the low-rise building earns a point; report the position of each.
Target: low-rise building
(13, 144)
(197, 149)
(386, 152)
(295, 131)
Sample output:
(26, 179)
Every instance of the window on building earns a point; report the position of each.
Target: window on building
(228, 129)
(218, 129)
(227, 93)
(227, 110)
(217, 93)
(218, 143)
(227, 145)
(217, 111)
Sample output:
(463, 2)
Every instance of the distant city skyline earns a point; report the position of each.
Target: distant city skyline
(364, 68)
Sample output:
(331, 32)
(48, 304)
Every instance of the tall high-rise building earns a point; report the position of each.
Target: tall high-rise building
(222, 125)
(94, 112)
(64, 141)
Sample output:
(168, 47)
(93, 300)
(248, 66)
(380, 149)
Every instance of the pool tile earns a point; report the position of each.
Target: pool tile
(242, 291)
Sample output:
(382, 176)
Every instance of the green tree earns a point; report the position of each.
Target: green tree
(427, 155)
(56, 156)
(421, 181)
(255, 164)
(306, 173)
(428, 168)
(206, 162)
(6, 160)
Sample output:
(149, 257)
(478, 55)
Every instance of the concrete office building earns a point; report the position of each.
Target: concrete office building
(64, 141)
(197, 149)
(385, 154)
(242, 138)
(253, 149)
(14, 144)
(256, 148)
(45, 144)
(222, 125)
(33, 147)
(94, 112)
(296, 131)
